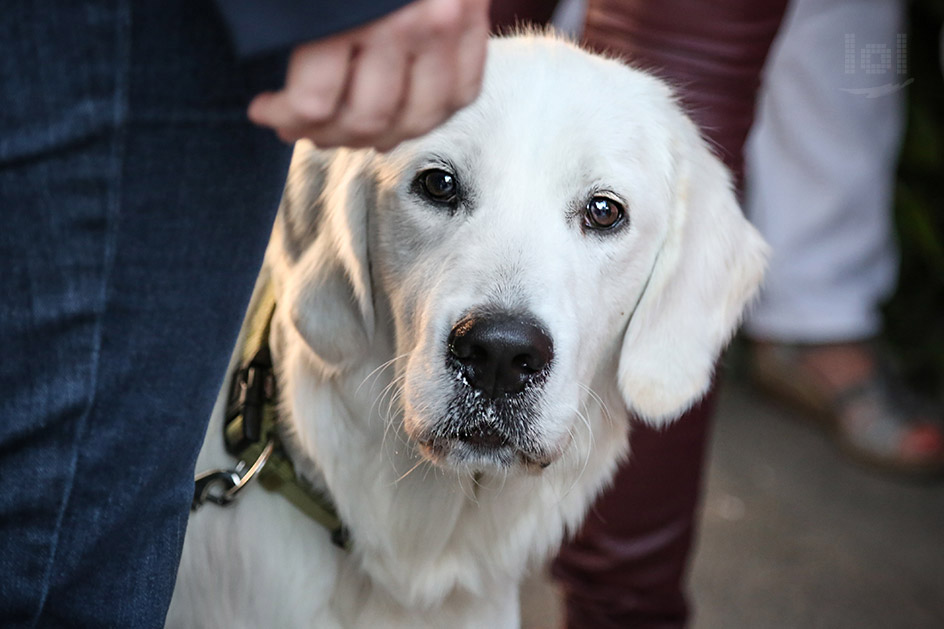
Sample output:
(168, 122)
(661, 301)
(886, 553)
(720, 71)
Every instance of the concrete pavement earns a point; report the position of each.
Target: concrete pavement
(793, 536)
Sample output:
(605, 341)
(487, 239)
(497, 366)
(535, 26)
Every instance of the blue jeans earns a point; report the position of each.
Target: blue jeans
(136, 202)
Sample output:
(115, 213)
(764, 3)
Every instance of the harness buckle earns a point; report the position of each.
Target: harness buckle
(252, 389)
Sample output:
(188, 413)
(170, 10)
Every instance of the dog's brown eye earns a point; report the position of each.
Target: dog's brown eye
(603, 213)
(439, 185)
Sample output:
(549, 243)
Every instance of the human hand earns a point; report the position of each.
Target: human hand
(387, 81)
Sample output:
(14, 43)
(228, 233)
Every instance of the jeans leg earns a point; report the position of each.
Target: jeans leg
(136, 203)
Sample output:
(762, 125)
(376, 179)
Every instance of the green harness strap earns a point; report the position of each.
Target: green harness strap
(252, 423)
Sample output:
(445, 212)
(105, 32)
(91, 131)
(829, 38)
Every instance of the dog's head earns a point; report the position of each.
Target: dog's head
(569, 230)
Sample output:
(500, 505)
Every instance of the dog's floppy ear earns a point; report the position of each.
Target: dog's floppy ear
(709, 267)
(323, 231)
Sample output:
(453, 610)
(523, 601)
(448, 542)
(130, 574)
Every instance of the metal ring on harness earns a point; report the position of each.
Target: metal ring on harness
(230, 482)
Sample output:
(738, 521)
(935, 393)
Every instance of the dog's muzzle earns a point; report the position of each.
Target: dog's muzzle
(500, 357)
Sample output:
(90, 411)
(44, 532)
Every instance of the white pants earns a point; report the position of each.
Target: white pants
(820, 169)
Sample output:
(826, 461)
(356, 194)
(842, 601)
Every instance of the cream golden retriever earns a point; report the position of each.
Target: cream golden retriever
(463, 327)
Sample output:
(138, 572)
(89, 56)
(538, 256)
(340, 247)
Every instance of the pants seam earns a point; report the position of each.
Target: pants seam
(113, 210)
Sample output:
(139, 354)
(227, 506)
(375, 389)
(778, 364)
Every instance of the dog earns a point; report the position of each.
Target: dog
(463, 327)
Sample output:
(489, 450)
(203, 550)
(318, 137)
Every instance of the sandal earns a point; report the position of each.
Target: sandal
(877, 422)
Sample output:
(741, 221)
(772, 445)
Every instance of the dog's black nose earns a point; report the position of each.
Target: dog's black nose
(500, 354)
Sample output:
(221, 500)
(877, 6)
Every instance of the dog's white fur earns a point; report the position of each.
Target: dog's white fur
(370, 278)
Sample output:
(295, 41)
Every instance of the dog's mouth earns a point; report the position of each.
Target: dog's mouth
(477, 455)
(486, 434)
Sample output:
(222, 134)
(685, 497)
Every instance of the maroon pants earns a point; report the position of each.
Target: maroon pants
(627, 566)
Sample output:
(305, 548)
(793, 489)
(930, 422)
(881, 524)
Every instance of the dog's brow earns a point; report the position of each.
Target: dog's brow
(434, 160)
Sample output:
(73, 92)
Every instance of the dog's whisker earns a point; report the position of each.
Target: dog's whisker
(401, 435)
(409, 471)
(393, 401)
(501, 489)
(461, 488)
(583, 416)
(388, 425)
(388, 420)
(386, 417)
(376, 373)
(466, 493)
(568, 452)
(393, 384)
(590, 439)
(391, 391)
(586, 458)
(607, 417)
(598, 399)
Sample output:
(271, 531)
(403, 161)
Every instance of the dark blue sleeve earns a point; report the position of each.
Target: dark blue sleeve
(263, 26)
